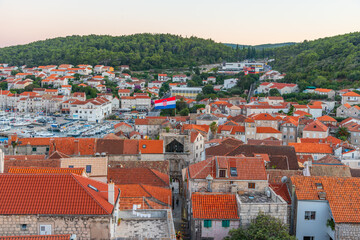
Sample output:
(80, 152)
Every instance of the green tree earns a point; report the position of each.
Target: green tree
(263, 227)
(184, 112)
(274, 92)
(342, 133)
(213, 127)
(208, 89)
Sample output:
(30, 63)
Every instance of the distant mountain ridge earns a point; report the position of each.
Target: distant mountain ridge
(262, 46)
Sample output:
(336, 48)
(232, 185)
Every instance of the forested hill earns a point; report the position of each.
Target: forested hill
(332, 62)
(140, 51)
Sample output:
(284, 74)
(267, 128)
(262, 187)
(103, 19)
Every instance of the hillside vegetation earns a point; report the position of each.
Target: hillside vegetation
(332, 62)
(140, 51)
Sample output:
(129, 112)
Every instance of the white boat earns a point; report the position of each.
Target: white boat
(20, 124)
(4, 128)
(44, 134)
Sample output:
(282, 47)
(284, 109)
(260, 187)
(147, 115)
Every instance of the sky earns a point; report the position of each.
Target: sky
(227, 21)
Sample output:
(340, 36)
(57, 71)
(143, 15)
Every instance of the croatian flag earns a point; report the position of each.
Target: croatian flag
(165, 103)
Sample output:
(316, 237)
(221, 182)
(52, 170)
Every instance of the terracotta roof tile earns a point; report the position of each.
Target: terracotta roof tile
(41, 170)
(316, 126)
(214, 206)
(70, 195)
(37, 237)
(326, 118)
(351, 94)
(151, 146)
(312, 148)
(248, 168)
(344, 204)
(138, 176)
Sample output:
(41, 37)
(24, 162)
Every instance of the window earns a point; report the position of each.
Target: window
(309, 238)
(222, 173)
(251, 185)
(88, 168)
(47, 149)
(284, 136)
(45, 229)
(34, 149)
(233, 172)
(225, 223)
(71, 166)
(207, 223)
(310, 215)
(23, 227)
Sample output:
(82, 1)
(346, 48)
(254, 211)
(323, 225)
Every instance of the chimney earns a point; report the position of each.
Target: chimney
(111, 192)
(76, 147)
(209, 179)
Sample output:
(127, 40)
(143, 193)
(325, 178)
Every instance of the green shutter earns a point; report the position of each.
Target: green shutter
(207, 223)
(225, 223)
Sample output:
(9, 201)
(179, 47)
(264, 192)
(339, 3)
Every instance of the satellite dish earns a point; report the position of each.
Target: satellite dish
(284, 179)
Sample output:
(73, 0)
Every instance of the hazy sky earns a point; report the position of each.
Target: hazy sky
(232, 21)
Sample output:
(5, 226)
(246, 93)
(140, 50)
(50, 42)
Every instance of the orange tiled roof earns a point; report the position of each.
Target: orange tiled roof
(214, 206)
(351, 94)
(248, 168)
(266, 130)
(323, 90)
(131, 191)
(312, 148)
(37, 237)
(316, 126)
(264, 117)
(145, 176)
(70, 195)
(344, 204)
(41, 170)
(151, 146)
(326, 118)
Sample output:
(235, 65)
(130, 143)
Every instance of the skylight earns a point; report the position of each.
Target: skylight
(93, 188)
(233, 172)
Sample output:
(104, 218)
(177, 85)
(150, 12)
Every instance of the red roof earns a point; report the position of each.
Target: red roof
(312, 148)
(316, 126)
(55, 194)
(351, 94)
(339, 192)
(266, 130)
(140, 194)
(40, 170)
(263, 117)
(214, 206)
(145, 176)
(151, 146)
(326, 118)
(248, 168)
(37, 237)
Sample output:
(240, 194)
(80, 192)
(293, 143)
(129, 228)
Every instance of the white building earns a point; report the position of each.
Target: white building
(180, 78)
(92, 110)
(230, 83)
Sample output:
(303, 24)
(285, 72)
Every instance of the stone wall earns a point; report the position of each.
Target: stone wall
(83, 226)
(345, 231)
(225, 186)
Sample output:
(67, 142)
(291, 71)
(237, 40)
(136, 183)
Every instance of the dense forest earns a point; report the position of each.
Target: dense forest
(332, 62)
(140, 51)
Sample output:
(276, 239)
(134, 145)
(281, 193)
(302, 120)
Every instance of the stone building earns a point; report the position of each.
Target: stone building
(227, 192)
(325, 207)
(289, 130)
(45, 204)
